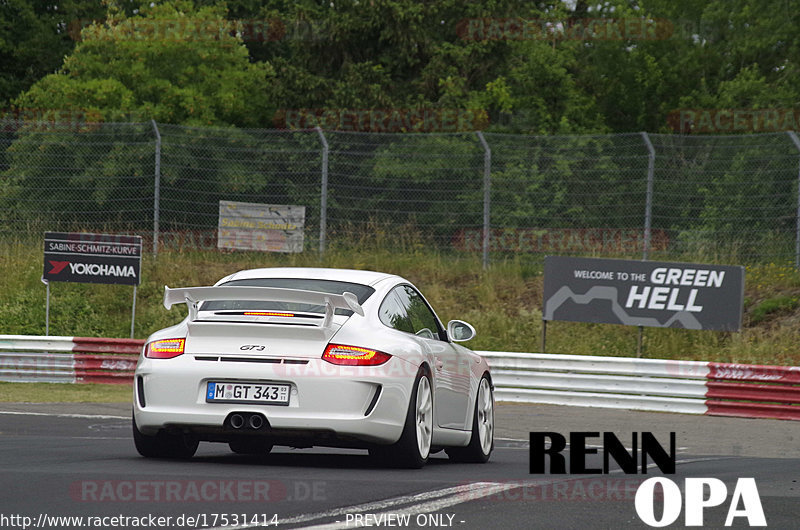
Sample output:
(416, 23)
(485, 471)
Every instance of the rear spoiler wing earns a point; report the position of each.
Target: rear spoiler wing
(193, 296)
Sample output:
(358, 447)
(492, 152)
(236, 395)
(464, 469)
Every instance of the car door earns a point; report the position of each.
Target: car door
(451, 378)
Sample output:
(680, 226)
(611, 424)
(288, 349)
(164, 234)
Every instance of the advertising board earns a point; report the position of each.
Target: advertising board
(643, 293)
(265, 227)
(92, 258)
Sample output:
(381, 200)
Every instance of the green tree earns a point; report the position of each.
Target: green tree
(173, 62)
(35, 35)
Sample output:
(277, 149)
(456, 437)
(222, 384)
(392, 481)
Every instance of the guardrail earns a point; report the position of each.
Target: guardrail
(26, 358)
(753, 391)
(689, 387)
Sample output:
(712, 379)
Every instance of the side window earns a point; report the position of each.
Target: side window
(394, 315)
(423, 321)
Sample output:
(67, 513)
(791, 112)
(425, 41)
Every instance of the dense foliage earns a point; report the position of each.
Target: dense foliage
(545, 67)
(216, 74)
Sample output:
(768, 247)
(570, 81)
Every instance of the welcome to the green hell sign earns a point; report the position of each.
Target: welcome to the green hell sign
(559, 240)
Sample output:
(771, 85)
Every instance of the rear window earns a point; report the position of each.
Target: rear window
(362, 292)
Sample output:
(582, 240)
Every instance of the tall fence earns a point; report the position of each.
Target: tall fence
(624, 195)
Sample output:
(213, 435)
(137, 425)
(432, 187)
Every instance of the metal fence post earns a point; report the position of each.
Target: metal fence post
(487, 196)
(323, 200)
(648, 207)
(156, 189)
(796, 141)
(648, 218)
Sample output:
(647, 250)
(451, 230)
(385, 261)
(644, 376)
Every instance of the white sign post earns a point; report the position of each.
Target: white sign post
(92, 258)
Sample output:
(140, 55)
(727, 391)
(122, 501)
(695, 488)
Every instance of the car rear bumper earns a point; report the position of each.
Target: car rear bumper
(333, 405)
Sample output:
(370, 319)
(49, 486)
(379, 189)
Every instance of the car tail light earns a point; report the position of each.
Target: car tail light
(165, 348)
(354, 355)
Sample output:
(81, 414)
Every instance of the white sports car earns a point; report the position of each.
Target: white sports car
(304, 357)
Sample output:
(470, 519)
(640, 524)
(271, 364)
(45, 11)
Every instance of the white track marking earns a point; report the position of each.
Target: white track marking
(54, 415)
(430, 501)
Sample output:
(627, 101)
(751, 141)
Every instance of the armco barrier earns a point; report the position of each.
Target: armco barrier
(754, 391)
(691, 387)
(609, 382)
(67, 359)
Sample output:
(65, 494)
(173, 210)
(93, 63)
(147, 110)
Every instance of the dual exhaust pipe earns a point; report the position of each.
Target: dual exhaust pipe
(246, 421)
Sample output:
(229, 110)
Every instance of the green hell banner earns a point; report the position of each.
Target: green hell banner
(643, 293)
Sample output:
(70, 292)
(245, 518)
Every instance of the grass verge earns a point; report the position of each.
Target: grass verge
(504, 302)
(63, 393)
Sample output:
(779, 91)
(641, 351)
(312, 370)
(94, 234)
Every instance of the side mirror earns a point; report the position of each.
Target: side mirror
(460, 331)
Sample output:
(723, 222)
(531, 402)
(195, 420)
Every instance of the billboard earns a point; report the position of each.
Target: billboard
(92, 258)
(265, 227)
(643, 293)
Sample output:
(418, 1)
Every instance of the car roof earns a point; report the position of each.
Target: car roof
(342, 275)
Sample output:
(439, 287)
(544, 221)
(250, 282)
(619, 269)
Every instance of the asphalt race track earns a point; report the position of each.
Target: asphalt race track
(62, 460)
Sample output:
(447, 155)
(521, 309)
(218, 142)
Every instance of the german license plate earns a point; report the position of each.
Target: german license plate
(272, 394)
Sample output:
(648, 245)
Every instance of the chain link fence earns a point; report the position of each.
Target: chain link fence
(406, 188)
(724, 198)
(75, 177)
(202, 166)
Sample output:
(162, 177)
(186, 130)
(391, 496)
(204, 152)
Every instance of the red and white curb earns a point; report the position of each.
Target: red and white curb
(26, 358)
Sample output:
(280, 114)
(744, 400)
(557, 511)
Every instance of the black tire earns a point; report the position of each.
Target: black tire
(413, 448)
(250, 446)
(163, 444)
(481, 442)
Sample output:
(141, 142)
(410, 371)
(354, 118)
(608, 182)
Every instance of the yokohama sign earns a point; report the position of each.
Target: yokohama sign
(92, 258)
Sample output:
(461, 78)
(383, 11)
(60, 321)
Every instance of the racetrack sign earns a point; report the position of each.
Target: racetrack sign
(265, 227)
(92, 258)
(643, 293)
